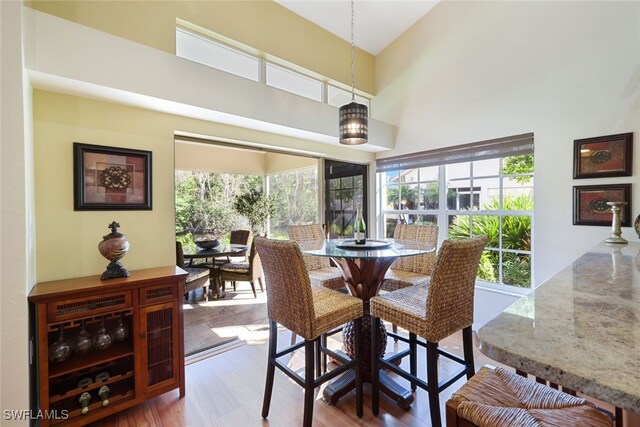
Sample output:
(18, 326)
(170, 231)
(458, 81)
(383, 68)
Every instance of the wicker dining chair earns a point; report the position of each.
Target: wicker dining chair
(495, 397)
(244, 271)
(432, 312)
(308, 311)
(197, 278)
(413, 270)
(320, 271)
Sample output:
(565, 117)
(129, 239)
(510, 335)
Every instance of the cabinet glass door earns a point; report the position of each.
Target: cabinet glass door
(159, 325)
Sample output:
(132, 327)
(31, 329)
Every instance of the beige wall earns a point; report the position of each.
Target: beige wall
(264, 25)
(66, 240)
(470, 71)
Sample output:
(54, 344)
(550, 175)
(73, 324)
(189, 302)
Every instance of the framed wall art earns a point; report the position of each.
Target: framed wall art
(603, 156)
(111, 178)
(590, 204)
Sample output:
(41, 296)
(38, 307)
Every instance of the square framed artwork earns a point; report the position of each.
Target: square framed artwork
(590, 204)
(111, 178)
(603, 156)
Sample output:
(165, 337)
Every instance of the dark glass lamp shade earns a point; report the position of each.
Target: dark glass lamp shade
(353, 124)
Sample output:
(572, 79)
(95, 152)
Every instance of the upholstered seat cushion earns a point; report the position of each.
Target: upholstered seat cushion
(332, 309)
(327, 277)
(499, 398)
(404, 307)
(235, 267)
(196, 273)
(399, 279)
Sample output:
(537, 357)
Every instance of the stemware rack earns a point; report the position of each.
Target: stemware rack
(149, 305)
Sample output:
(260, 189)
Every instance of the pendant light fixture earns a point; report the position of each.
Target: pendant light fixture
(353, 116)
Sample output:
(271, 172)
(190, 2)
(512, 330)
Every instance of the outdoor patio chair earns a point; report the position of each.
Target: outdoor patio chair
(244, 271)
(197, 278)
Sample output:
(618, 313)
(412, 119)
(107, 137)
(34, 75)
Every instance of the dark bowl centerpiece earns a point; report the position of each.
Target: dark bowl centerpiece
(206, 242)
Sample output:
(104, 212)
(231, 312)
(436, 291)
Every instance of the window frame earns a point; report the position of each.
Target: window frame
(444, 213)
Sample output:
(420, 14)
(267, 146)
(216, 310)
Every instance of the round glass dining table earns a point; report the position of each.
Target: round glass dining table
(363, 268)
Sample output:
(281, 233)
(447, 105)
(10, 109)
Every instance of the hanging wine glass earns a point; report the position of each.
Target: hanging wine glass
(82, 344)
(121, 331)
(61, 349)
(103, 338)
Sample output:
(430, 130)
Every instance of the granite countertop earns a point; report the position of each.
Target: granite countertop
(580, 329)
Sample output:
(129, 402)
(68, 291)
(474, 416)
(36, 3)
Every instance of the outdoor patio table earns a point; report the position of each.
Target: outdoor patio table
(222, 250)
(363, 269)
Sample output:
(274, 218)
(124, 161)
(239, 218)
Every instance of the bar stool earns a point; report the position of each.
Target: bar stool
(495, 397)
(308, 311)
(432, 312)
(320, 271)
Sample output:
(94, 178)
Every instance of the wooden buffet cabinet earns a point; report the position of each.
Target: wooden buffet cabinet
(147, 362)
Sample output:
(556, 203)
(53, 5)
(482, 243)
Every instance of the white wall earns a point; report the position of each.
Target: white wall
(17, 259)
(470, 71)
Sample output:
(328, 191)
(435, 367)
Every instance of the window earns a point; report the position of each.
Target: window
(224, 54)
(217, 55)
(339, 97)
(491, 193)
(293, 82)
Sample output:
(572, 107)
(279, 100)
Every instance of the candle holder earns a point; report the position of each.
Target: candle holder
(616, 207)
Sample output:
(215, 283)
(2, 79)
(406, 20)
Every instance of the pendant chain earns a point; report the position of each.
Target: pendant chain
(353, 48)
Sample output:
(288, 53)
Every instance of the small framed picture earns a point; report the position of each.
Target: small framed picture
(590, 204)
(111, 178)
(603, 156)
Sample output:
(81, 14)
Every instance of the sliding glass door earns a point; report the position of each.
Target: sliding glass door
(345, 188)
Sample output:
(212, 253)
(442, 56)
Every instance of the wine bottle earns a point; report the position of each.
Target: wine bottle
(84, 402)
(359, 228)
(103, 393)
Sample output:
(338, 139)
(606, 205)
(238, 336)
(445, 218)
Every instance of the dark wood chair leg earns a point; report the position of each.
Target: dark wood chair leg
(271, 367)
(308, 383)
(413, 359)
(261, 284)
(323, 342)
(375, 392)
(432, 383)
(316, 343)
(233, 283)
(357, 326)
(253, 288)
(394, 328)
(467, 346)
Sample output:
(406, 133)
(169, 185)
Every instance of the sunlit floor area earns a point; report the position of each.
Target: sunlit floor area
(236, 317)
(227, 390)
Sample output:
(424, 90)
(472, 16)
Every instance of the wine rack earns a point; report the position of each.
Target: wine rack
(135, 351)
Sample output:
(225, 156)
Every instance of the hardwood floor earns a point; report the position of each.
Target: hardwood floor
(227, 390)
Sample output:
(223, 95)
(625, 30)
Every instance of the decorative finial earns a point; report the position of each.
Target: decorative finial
(114, 227)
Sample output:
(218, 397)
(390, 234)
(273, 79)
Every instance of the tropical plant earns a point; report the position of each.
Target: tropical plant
(516, 234)
(256, 207)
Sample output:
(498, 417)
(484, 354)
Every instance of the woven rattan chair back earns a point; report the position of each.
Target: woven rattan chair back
(451, 290)
(305, 233)
(255, 265)
(426, 237)
(240, 237)
(289, 295)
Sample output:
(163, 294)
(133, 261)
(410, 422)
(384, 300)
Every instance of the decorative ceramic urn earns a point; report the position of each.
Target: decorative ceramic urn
(113, 247)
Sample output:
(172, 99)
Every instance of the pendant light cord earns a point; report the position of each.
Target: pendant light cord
(353, 54)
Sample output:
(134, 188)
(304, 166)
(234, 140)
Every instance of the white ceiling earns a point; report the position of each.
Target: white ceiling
(377, 22)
